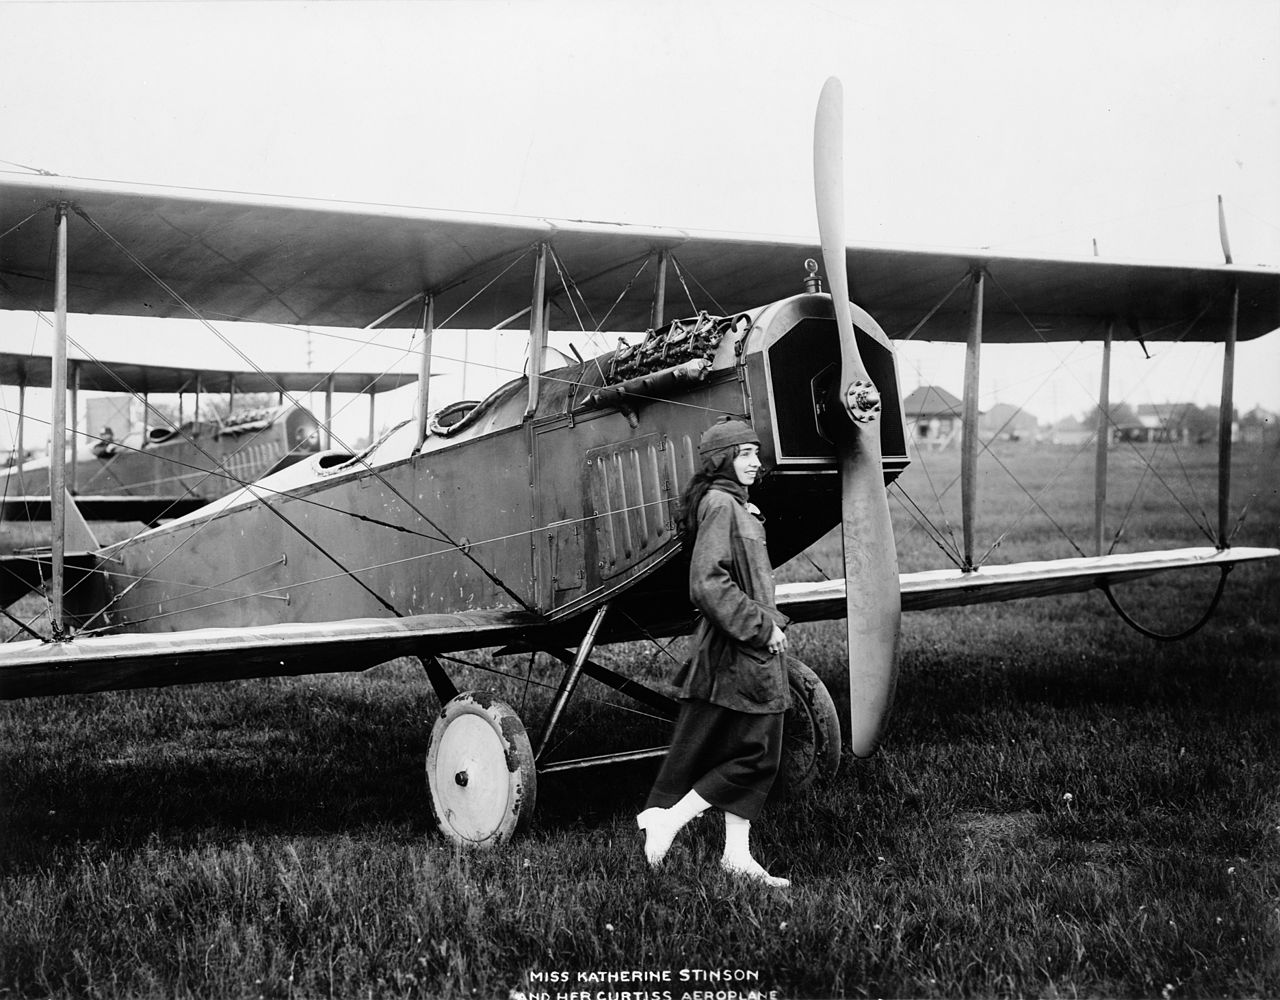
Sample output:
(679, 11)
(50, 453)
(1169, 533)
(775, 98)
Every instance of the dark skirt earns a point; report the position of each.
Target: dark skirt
(729, 758)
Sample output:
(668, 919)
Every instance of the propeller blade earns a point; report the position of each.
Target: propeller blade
(828, 191)
(873, 601)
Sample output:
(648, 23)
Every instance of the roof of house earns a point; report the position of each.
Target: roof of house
(931, 400)
(1165, 412)
(1010, 416)
(1259, 415)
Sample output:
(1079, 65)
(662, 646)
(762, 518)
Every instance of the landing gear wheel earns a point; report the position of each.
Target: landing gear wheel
(811, 732)
(480, 771)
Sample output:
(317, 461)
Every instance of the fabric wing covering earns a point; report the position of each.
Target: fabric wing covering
(342, 264)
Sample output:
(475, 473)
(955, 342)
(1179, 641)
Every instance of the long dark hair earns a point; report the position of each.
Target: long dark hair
(715, 465)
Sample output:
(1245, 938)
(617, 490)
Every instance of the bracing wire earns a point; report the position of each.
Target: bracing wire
(34, 170)
(931, 531)
(485, 287)
(694, 278)
(374, 471)
(1186, 329)
(257, 485)
(16, 226)
(219, 470)
(529, 681)
(298, 584)
(569, 286)
(924, 521)
(1035, 500)
(940, 303)
(683, 284)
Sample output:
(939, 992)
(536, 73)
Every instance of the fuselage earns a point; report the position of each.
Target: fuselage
(553, 512)
(202, 459)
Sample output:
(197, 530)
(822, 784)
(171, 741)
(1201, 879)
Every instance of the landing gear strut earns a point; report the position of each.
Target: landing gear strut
(482, 770)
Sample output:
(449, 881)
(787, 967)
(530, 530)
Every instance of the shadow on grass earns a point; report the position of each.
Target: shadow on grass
(337, 755)
(275, 760)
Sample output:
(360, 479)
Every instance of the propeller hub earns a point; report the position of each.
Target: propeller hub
(862, 400)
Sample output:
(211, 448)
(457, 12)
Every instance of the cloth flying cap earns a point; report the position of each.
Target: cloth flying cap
(724, 433)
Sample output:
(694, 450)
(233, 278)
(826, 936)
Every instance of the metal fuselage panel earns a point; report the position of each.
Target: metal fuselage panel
(427, 534)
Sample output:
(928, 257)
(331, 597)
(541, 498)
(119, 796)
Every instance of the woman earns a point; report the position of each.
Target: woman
(728, 738)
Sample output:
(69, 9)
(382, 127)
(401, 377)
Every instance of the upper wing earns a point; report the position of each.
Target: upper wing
(34, 371)
(278, 259)
(823, 600)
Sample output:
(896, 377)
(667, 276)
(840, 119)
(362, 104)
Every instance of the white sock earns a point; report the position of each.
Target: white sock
(737, 853)
(737, 836)
(660, 825)
(687, 808)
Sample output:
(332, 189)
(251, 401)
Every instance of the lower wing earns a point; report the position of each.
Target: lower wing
(101, 663)
(147, 509)
(108, 662)
(807, 602)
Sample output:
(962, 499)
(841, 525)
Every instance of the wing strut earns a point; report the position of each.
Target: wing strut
(328, 412)
(1104, 439)
(537, 329)
(659, 291)
(1228, 386)
(73, 382)
(22, 419)
(58, 438)
(424, 373)
(570, 680)
(969, 427)
(1225, 421)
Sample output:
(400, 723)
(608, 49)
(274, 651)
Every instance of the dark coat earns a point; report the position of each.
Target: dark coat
(731, 583)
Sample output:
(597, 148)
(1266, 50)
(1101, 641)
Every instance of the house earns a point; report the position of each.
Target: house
(1005, 422)
(1259, 426)
(1072, 431)
(1180, 423)
(933, 416)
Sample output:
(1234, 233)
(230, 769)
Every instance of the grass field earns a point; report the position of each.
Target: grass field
(1061, 808)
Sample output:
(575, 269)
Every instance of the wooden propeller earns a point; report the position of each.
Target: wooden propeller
(873, 601)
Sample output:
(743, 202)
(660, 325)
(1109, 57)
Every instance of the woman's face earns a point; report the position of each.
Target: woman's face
(746, 464)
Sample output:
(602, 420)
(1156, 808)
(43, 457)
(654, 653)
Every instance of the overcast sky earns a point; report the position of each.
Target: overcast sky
(1023, 127)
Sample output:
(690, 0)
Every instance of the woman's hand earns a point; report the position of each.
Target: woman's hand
(777, 641)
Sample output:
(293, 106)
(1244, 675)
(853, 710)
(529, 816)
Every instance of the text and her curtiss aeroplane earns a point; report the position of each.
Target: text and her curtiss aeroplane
(543, 517)
(174, 466)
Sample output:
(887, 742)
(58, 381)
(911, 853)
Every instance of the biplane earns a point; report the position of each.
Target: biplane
(545, 516)
(170, 466)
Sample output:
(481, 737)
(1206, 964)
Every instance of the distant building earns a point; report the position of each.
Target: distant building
(1071, 431)
(1175, 423)
(1005, 422)
(1259, 426)
(933, 416)
(1143, 432)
